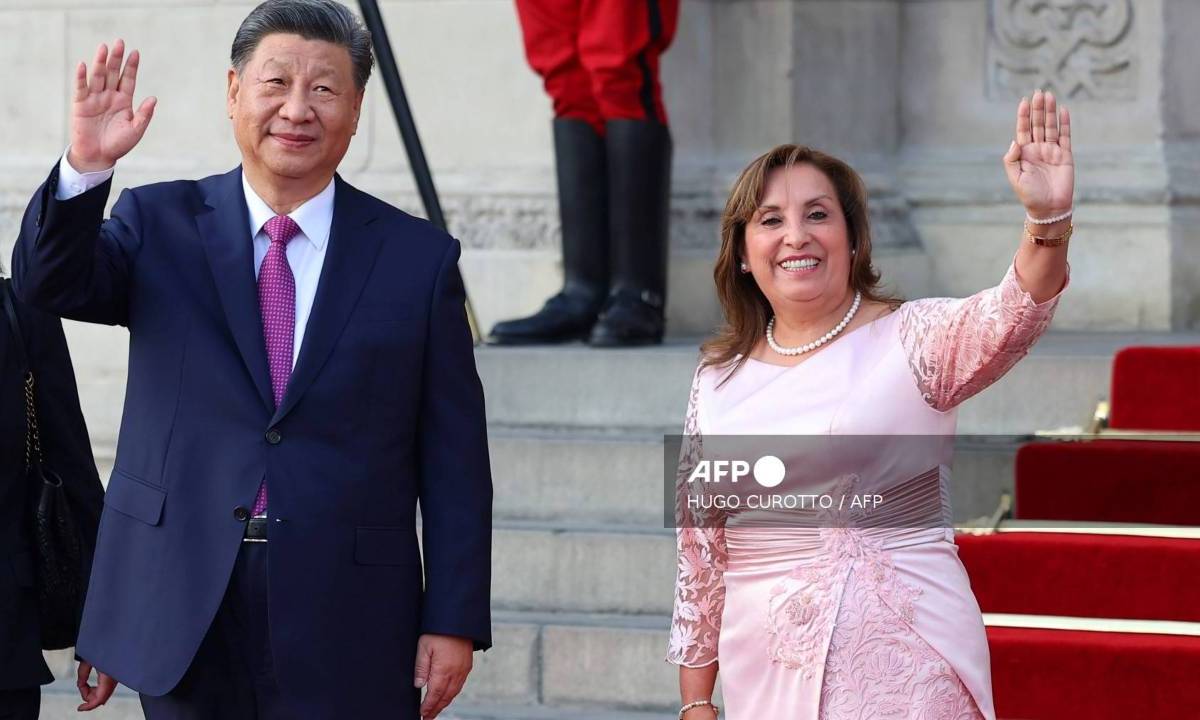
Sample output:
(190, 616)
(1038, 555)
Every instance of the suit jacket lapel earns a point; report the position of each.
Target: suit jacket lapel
(230, 251)
(348, 262)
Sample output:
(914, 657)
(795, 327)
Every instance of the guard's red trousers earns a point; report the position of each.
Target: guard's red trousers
(599, 58)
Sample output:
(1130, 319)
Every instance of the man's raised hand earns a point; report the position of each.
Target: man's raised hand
(104, 126)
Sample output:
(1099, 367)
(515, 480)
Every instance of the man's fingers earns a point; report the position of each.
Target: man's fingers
(91, 702)
(105, 688)
(1024, 134)
(454, 687)
(113, 66)
(145, 112)
(438, 684)
(98, 71)
(94, 697)
(128, 79)
(81, 82)
(445, 663)
(82, 673)
(90, 695)
(424, 660)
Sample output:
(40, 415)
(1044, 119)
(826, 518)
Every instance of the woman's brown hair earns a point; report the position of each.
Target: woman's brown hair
(745, 307)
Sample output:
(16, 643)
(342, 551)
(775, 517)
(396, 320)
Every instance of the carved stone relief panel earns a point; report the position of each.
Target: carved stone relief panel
(1080, 49)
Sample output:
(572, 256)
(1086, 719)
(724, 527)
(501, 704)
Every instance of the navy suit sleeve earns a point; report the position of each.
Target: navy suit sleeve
(73, 263)
(456, 483)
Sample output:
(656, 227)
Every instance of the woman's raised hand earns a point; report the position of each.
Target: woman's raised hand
(104, 126)
(1039, 163)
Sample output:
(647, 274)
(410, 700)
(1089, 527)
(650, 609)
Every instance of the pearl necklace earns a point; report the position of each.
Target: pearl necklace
(819, 341)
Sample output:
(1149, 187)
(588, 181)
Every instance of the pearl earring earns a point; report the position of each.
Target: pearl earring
(745, 268)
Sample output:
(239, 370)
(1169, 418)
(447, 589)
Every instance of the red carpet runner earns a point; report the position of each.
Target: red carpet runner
(1060, 674)
(1067, 674)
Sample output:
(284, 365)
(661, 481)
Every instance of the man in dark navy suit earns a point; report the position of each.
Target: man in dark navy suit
(301, 376)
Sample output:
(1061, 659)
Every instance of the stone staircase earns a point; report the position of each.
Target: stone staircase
(583, 566)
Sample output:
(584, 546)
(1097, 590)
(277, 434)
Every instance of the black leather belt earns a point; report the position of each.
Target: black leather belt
(256, 530)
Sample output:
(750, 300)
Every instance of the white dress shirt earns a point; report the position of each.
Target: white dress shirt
(305, 253)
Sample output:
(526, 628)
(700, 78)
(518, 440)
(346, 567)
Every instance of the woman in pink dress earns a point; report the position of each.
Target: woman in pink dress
(845, 616)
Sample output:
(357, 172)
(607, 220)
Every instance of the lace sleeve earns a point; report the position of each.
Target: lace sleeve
(958, 347)
(700, 542)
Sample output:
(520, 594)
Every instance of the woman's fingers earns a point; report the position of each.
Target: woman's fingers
(1013, 155)
(1051, 119)
(1038, 116)
(1064, 128)
(1012, 164)
(1024, 134)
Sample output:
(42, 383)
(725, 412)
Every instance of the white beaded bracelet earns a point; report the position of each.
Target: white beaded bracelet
(1050, 221)
(698, 703)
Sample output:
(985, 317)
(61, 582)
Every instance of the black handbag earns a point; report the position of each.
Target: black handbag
(58, 550)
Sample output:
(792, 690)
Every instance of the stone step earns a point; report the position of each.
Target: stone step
(589, 660)
(580, 475)
(578, 568)
(1058, 384)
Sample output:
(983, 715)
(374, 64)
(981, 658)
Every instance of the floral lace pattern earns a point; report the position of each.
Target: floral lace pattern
(958, 347)
(879, 667)
(700, 543)
(804, 606)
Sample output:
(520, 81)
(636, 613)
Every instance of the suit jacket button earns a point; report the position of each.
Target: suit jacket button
(273, 437)
(241, 514)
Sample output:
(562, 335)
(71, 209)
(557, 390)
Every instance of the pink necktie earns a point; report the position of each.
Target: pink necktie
(277, 302)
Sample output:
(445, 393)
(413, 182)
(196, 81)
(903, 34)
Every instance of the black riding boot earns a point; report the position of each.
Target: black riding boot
(582, 169)
(639, 191)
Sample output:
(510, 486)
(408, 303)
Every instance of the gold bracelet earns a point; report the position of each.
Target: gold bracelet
(1049, 241)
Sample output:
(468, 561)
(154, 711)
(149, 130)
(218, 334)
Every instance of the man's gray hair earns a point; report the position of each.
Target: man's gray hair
(312, 20)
